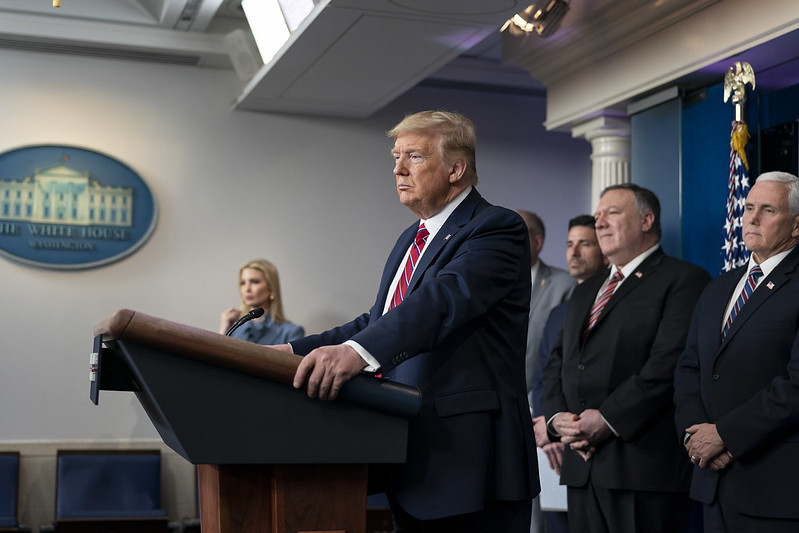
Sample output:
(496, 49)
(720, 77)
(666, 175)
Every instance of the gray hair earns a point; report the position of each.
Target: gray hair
(793, 187)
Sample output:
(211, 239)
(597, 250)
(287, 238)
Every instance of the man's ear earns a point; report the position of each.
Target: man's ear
(457, 170)
(795, 230)
(648, 222)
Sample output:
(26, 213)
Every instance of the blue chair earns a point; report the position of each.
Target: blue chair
(9, 492)
(109, 491)
(378, 514)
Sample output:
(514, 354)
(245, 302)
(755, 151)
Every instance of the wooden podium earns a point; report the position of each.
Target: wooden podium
(270, 459)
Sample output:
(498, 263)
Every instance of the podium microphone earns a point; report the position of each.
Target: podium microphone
(255, 313)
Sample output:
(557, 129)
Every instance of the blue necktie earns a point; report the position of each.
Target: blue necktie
(749, 287)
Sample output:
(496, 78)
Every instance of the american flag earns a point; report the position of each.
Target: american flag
(734, 251)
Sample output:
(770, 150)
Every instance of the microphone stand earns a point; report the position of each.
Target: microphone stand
(255, 313)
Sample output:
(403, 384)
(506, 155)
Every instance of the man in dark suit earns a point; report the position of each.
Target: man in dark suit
(737, 383)
(608, 384)
(450, 318)
(584, 259)
(551, 287)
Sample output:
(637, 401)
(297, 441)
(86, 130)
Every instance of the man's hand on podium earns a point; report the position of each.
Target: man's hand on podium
(326, 369)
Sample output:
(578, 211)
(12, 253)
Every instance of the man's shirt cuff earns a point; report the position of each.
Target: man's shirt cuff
(550, 428)
(608, 424)
(372, 364)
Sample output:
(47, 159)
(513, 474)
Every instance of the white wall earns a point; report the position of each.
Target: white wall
(313, 195)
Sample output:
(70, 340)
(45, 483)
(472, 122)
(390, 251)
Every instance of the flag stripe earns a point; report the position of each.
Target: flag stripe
(734, 251)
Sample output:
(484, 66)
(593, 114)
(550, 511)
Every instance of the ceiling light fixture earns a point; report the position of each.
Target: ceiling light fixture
(268, 26)
(542, 17)
(273, 21)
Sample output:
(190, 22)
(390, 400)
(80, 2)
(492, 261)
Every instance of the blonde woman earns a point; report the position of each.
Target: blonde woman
(259, 286)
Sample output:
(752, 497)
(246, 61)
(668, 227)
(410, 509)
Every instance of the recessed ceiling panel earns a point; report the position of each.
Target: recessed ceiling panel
(355, 56)
(378, 55)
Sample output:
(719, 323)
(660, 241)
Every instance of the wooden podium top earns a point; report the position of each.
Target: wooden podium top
(218, 400)
(199, 344)
(247, 358)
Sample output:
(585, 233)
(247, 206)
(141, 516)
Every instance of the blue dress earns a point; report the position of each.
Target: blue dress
(267, 332)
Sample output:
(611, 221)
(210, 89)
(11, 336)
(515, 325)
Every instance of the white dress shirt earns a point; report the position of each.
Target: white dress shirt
(766, 266)
(433, 225)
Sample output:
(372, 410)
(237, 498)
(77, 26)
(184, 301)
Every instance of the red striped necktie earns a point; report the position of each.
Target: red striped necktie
(607, 292)
(410, 266)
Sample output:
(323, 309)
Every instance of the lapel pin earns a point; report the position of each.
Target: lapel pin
(639, 275)
(448, 236)
(770, 285)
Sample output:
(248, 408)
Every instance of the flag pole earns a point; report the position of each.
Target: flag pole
(735, 252)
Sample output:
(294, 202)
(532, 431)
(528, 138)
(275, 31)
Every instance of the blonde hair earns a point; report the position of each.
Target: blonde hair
(456, 136)
(273, 284)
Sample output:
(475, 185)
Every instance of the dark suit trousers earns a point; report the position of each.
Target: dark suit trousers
(720, 517)
(599, 510)
(556, 521)
(497, 517)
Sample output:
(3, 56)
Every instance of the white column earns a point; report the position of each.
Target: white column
(610, 152)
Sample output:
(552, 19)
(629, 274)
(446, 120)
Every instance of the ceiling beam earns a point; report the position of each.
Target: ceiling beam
(115, 36)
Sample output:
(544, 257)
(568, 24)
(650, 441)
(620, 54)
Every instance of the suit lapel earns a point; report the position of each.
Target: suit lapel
(459, 218)
(638, 276)
(393, 264)
(779, 278)
(584, 305)
(720, 305)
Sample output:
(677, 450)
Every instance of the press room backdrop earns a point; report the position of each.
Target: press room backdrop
(313, 195)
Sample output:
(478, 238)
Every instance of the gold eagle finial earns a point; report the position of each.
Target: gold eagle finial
(736, 79)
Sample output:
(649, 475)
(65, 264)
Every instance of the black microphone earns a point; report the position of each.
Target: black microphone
(255, 313)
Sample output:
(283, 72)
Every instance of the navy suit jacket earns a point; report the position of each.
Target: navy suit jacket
(748, 385)
(459, 336)
(625, 368)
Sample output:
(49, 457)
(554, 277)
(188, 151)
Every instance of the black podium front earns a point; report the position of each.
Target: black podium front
(269, 458)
